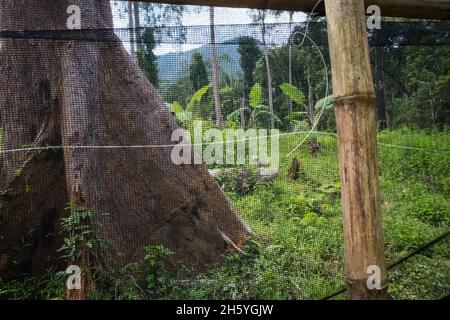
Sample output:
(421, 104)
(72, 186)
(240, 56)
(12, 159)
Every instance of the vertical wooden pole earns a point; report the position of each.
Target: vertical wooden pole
(355, 108)
(215, 71)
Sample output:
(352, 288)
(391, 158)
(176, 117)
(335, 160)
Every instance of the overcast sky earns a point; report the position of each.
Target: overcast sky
(222, 16)
(233, 16)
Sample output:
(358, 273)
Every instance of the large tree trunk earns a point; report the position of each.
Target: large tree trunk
(92, 100)
(215, 71)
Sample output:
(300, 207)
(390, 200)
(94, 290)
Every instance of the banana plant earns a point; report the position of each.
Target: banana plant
(313, 114)
(324, 103)
(255, 108)
(185, 114)
(180, 114)
(297, 96)
(293, 93)
(197, 97)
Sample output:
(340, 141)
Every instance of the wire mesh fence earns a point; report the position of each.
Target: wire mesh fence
(172, 160)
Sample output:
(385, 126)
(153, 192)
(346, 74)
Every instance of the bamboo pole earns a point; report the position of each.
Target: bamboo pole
(355, 108)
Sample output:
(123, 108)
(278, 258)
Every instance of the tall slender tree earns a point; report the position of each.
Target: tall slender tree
(249, 55)
(197, 72)
(260, 16)
(291, 19)
(215, 71)
(131, 28)
(137, 25)
(146, 18)
(146, 58)
(380, 88)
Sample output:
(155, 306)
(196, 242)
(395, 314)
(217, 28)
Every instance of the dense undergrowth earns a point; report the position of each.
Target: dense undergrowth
(297, 250)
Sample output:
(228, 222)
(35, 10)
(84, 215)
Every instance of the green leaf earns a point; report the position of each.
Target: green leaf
(293, 93)
(236, 114)
(180, 114)
(198, 95)
(268, 112)
(226, 90)
(261, 107)
(184, 117)
(176, 107)
(326, 103)
(255, 95)
(297, 115)
(301, 126)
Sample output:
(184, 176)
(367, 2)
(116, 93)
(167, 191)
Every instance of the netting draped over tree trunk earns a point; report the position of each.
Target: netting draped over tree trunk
(88, 177)
(87, 96)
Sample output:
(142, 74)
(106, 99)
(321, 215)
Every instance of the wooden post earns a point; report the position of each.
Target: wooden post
(355, 108)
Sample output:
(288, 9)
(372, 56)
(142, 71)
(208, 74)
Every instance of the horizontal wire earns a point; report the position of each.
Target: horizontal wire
(201, 144)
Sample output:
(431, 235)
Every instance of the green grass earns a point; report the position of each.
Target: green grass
(302, 219)
(297, 251)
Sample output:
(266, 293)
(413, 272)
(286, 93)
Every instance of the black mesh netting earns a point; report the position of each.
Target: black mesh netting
(167, 161)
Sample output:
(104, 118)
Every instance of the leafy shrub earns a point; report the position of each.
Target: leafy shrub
(298, 250)
(155, 268)
(404, 234)
(410, 155)
(420, 277)
(48, 287)
(241, 181)
(292, 205)
(79, 227)
(432, 209)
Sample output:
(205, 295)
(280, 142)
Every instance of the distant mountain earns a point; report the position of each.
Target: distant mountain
(175, 64)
